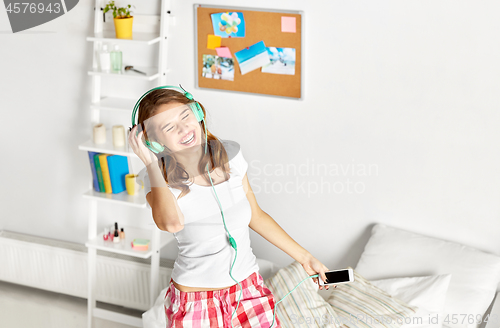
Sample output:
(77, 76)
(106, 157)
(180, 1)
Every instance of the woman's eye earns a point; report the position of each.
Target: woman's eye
(173, 127)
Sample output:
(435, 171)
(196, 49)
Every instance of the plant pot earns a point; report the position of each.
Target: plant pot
(123, 27)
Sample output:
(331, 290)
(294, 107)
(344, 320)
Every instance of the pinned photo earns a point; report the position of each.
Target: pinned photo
(228, 25)
(219, 68)
(282, 61)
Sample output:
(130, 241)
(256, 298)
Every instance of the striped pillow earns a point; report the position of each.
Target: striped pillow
(303, 307)
(359, 304)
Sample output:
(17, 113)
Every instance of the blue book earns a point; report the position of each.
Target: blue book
(94, 173)
(118, 169)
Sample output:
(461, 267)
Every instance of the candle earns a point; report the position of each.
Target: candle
(99, 133)
(118, 136)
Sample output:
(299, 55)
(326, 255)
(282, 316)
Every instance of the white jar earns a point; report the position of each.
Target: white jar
(105, 59)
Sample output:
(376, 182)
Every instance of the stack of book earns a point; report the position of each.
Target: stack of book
(108, 172)
(140, 244)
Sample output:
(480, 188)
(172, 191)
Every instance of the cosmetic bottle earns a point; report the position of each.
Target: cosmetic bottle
(116, 238)
(106, 234)
(122, 234)
(116, 59)
(105, 59)
(111, 233)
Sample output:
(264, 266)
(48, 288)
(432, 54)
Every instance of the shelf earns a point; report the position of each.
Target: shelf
(124, 246)
(107, 147)
(137, 38)
(151, 73)
(114, 103)
(123, 198)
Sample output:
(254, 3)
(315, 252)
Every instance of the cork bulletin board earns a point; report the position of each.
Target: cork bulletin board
(259, 25)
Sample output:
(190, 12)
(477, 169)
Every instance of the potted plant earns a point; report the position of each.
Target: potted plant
(122, 19)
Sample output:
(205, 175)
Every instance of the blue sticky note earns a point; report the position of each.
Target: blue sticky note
(252, 57)
(252, 51)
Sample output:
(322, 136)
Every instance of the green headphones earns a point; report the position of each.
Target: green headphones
(154, 146)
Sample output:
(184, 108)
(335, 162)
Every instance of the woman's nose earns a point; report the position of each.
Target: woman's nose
(184, 128)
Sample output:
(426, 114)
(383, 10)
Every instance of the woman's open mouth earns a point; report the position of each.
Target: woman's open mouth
(189, 139)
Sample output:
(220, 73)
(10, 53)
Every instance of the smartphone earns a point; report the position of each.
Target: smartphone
(335, 277)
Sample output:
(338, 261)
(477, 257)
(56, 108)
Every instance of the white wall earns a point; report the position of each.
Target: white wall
(408, 89)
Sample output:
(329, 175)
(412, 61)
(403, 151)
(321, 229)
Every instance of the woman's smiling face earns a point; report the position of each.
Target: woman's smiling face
(176, 127)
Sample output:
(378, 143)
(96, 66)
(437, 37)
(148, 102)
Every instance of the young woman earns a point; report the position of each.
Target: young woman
(207, 281)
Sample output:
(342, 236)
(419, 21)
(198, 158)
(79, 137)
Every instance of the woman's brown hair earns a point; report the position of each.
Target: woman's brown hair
(173, 171)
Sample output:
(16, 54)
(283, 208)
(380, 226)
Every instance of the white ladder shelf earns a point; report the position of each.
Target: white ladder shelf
(123, 106)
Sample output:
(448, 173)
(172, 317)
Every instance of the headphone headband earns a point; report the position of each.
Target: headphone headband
(194, 105)
(184, 92)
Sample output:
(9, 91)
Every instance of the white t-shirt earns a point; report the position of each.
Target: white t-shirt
(205, 255)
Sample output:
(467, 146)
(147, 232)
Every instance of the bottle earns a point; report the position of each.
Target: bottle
(122, 234)
(116, 238)
(116, 59)
(111, 233)
(106, 234)
(105, 59)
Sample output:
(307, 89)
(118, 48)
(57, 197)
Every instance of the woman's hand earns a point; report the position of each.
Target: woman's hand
(313, 266)
(146, 155)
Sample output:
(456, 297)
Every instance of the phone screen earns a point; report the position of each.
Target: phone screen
(337, 276)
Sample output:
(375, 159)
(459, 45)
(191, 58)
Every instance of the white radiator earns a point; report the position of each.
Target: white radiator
(61, 267)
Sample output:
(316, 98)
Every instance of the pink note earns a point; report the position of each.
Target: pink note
(223, 52)
(288, 24)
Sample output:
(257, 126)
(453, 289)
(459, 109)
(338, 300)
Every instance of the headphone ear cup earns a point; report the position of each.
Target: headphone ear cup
(197, 111)
(157, 146)
(154, 146)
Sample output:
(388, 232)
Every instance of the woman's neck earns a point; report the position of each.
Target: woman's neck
(191, 160)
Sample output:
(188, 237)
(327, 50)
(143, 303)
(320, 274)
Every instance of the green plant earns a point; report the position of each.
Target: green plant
(122, 12)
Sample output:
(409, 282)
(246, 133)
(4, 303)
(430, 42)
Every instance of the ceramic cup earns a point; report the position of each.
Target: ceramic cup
(132, 186)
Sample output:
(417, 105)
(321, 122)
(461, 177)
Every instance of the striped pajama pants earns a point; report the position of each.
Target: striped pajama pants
(213, 309)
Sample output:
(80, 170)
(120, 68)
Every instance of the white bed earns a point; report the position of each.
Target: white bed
(441, 276)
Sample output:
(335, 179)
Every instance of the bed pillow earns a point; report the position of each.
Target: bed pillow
(362, 304)
(393, 252)
(427, 293)
(303, 307)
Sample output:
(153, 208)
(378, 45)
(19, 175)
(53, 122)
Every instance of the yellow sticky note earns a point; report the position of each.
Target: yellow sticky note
(213, 41)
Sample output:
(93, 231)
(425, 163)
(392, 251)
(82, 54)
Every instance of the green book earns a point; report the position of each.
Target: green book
(99, 172)
(140, 242)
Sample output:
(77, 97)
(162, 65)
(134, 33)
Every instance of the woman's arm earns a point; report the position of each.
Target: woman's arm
(263, 224)
(166, 212)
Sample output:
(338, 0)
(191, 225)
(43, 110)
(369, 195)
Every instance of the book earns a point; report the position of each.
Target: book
(95, 181)
(99, 172)
(105, 173)
(140, 244)
(118, 168)
(140, 248)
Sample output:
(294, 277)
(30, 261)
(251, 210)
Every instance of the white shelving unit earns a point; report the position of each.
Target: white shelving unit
(157, 72)
(151, 73)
